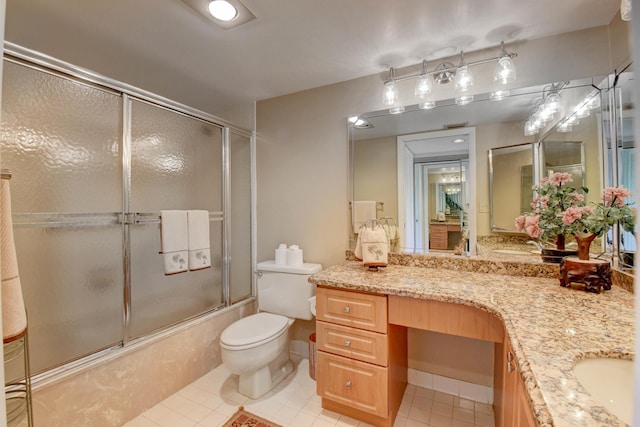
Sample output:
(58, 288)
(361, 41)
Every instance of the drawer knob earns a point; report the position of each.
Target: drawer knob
(347, 343)
(348, 385)
(347, 309)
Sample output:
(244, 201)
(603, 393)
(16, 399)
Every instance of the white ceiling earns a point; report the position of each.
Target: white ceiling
(292, 45)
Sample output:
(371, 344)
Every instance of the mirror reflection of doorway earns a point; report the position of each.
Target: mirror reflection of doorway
(440, 202)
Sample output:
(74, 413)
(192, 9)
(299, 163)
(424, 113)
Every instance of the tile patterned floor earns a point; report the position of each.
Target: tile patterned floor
(212, 399)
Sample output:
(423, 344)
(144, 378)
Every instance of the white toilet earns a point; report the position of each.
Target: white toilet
(257, 347)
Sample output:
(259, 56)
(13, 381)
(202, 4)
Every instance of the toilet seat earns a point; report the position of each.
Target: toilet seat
(253, 330)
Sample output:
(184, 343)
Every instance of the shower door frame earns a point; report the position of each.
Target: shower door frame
(35, 60)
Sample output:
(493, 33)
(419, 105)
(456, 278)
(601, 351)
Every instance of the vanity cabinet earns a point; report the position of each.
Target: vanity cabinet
(361, 360)
(438, 236)
(511, 405)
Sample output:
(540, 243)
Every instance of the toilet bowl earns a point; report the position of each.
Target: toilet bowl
(256, 347)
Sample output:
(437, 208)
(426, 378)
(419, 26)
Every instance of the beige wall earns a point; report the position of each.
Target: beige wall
(507, 193)
(302, 153)
(377, 178)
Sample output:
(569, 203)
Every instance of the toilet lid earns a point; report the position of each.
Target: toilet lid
(253, 329)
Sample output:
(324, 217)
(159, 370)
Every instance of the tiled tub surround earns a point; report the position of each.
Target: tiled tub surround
(549, 327)
(116, 388)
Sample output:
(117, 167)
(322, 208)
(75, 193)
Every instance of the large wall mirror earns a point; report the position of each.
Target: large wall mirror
(407, 162)
(619, 138)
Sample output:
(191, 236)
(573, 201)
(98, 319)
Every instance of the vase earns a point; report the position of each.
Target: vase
(584, 245)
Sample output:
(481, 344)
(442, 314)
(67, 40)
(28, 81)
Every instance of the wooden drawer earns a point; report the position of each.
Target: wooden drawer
(358, 385)
(371, 347)
(438, 230)
(355, 309)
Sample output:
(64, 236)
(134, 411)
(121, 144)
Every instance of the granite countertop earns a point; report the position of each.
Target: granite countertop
(550, 327)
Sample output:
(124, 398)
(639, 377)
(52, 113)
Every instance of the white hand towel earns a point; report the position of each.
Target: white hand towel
(374, 246)
(362, 211)
(14, 315)
(174, 241)
(199, 245)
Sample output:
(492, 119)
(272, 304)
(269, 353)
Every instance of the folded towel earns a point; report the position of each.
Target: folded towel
(199, 246)
(362, 211)
(174, 241)
(14, 315)
(372, 246)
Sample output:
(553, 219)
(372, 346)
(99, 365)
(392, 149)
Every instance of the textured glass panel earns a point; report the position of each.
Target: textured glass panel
(176, 164)
(72, 285)
(158, 300)
(61, 140)
(241, 273)
(176, 161)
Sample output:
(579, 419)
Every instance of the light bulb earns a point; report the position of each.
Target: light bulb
(582, 111)
(553, 102)
(390, 93)
(223, 10)
(505, 71)
(427, 105)
(464, 78)
(498, 95)
(594, 102)
(530, 128)
(464, 99)
(423, 86)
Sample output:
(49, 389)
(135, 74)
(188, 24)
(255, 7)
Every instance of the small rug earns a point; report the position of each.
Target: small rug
(243, 418)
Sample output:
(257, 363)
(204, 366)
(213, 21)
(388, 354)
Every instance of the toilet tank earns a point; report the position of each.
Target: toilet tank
(285, 290)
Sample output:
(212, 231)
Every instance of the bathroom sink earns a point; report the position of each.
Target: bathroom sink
(511, 252)
(610, 383)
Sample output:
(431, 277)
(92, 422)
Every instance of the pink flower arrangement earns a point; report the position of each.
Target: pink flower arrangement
(553, 198)
(558, 209)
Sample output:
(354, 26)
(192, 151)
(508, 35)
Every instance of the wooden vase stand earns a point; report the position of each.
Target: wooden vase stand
(594, 274)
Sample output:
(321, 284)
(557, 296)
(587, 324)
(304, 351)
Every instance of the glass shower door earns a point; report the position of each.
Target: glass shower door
(61, 139)
(176, 163)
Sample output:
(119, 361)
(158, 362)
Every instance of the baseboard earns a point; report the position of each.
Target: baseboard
(467, 390)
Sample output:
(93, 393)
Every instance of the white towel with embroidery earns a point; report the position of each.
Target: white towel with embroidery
(174, 241)
(199, 246)
(372, 246)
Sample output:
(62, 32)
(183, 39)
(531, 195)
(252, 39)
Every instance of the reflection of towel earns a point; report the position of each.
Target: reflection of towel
(199, 247)
(372, 246)
(175, 243)
(362, 211)
(14, 315)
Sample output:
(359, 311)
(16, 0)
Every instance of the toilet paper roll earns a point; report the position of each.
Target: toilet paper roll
(294, 256)
(281, 254)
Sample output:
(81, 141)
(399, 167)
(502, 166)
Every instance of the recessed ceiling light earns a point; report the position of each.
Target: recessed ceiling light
(223, 10)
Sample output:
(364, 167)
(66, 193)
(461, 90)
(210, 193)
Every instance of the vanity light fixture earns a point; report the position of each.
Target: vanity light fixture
(582, 110)
(464, 76)
(423, 85)
(505, 71)
(545, 109)
(390, 93)
(445, 73)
